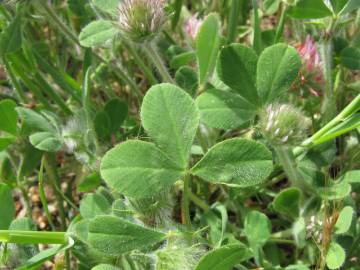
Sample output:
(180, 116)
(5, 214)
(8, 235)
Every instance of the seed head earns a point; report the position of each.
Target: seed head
(283, 124)
(141, 20)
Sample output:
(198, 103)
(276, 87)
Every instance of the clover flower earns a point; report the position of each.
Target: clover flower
(283, 124)
(192, 26)
(141, 20)
(311, 71)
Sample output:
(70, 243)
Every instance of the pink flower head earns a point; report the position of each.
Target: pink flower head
(192, 26)
(309, 54)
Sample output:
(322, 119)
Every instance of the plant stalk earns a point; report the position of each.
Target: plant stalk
(280, 28)
(185, 204)
(233, 20)
(33, 237)
(288, 162)
(153, 55)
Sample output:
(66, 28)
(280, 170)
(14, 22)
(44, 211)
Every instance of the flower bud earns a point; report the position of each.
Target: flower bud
(192, 26)
(177, 254)
(283, 124)
(141, 20)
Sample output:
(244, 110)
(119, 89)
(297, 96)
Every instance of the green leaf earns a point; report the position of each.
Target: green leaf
(109, 6)
(344, 220)
(350, 6)
(350, 58)
(34, 121)
(309, 9)
(182, 59)
(138, 169)
(102, 125)
(8, 116)
(11, 36)
(235, 162)
(338, 5)
(207, 46)
(105, 267)
(114, 235)
(335, 256)
(271, 6)
(224, 110)
(278, 67)
(224, 258)
(5, 141)
(287, 202)
(337, 190)
(7, 207)
(351, 177)
(345, 126)
(45, 255)
(257, 229)
(237, 69)
(46, 141)
(89, 183)
(97, 33)
(94, 204)
(117, 111)
(170, 117)
(187, 79)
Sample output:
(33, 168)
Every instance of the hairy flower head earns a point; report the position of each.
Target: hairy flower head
(192, 26)
(141, 20)
(283, 124)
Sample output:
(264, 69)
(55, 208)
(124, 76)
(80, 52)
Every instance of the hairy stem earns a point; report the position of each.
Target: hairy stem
(153, 55)
(185, 204)
(288, 162)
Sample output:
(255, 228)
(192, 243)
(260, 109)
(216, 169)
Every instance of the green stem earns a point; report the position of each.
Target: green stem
(19, 90)
(33, 237)
(288, 162)
(198, 202)
(349, 110)
(54, 178)
(329, 103)
(154, 57)
(185, 204)
(280, 28)
(235, 9)
(147, 72)
(57, 22)
(42, 194)
(256, 28)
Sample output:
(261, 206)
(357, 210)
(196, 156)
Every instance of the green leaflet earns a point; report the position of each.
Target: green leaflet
(344, 220)
(138, 169)
(224, 110)
(94, 204)
(287, 202)
(170, 117)
(224, 258)
(114, 236)
(235, 162)
(8, 116)
(109, 6)
(277, 68)
(257, 228)
(335, 256)
(7, 207)
(46, 141)
(237, 69)
(97, 33)
(309, 9)
(207, 46)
